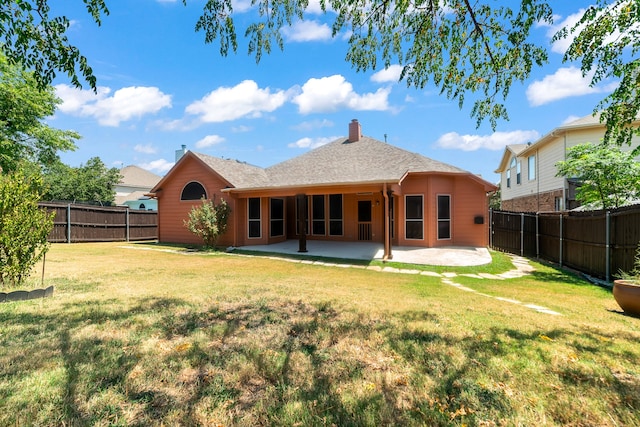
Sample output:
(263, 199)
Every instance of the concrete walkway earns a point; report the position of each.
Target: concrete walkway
(448, 256)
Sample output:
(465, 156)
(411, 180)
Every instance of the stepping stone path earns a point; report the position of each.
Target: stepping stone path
(522, 268)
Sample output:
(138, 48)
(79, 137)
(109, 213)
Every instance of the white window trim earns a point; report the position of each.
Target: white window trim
(206, 193)
(324, 209)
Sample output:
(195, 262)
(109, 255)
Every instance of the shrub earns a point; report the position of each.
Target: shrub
(209, 220)
(24, 227)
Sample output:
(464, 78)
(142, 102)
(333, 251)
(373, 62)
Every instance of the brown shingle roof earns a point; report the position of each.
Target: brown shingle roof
(344, 162)
(237, 173)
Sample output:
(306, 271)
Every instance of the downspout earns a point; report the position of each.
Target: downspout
(387, 234)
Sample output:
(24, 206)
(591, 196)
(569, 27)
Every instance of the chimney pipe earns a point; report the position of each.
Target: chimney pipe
(355, 131)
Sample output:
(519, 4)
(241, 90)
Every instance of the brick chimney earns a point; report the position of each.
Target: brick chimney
(355, 131)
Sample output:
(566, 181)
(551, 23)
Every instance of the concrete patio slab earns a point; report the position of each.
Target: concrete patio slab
(447, 256)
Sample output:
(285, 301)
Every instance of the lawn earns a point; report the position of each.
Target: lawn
(151, 335)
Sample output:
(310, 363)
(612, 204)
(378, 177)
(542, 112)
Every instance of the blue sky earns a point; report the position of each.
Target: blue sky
(160, 86)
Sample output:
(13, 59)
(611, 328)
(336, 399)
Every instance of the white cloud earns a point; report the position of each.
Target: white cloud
(389, 75)
(125, 104)
(333, 93)
(241, 6)
(565, 83)
(312, 142)
(209, 140)
(231, 103)
(146, 149)
(495, 141)
(313, 125)
(315, 8)
(562, 45)
(241, 129)
(306, 31)
(159, 166)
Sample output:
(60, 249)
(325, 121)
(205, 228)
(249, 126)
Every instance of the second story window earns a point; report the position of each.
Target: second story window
(508, 178)
(519, 173)
(531, 167)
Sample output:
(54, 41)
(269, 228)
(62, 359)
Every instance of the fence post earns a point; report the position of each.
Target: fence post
(537, 234)
(561, 238)
(522, 234)
(69, 223)
(127, 222)
(491, 228)
(608, 246)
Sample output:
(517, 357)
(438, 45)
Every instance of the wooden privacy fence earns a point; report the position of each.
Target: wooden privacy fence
(82, 223)
(598, 243)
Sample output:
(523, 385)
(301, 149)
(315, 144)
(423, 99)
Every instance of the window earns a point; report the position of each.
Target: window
(142, 207)
(508, 178)
(335, 214)
(558, 203)
(414, 218)
(519, 173)
(317, 215)
(255, 226)
(193, 191)
(513, 163)
(531, 167)
(277, 217)
(444, 217)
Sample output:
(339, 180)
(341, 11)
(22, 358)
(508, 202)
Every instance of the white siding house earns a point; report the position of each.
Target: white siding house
(528, 181)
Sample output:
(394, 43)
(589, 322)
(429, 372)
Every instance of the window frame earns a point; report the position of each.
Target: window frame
(254, 220)
(182, 199)
(336, 220)
(442, 220)
(318, 221)
(531, 172)
(276, 220)
(408, 220)
(519, 173)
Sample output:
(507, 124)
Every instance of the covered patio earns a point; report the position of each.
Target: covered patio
(445, 256)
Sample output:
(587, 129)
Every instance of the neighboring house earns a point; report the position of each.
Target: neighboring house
(528, 181)
(132, 189)
(346, 190)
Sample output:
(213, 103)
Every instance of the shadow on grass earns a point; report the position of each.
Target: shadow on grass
(163, 361)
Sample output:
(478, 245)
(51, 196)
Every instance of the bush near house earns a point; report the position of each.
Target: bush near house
(209, 220)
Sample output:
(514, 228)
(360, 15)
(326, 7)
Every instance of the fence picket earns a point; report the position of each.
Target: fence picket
(84, 223)
(598, 243)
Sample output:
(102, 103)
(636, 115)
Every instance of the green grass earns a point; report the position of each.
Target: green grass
(146, 337)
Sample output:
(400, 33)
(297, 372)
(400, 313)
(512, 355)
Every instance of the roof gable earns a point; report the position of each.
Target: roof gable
(510, 150)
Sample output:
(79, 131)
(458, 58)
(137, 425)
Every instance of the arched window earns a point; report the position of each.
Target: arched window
(142, 207)
(193, 191)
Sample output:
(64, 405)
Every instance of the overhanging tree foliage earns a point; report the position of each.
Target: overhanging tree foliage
(462, 47)
(30, 36)
(609, 177)
(607, 46)
(23, 107)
